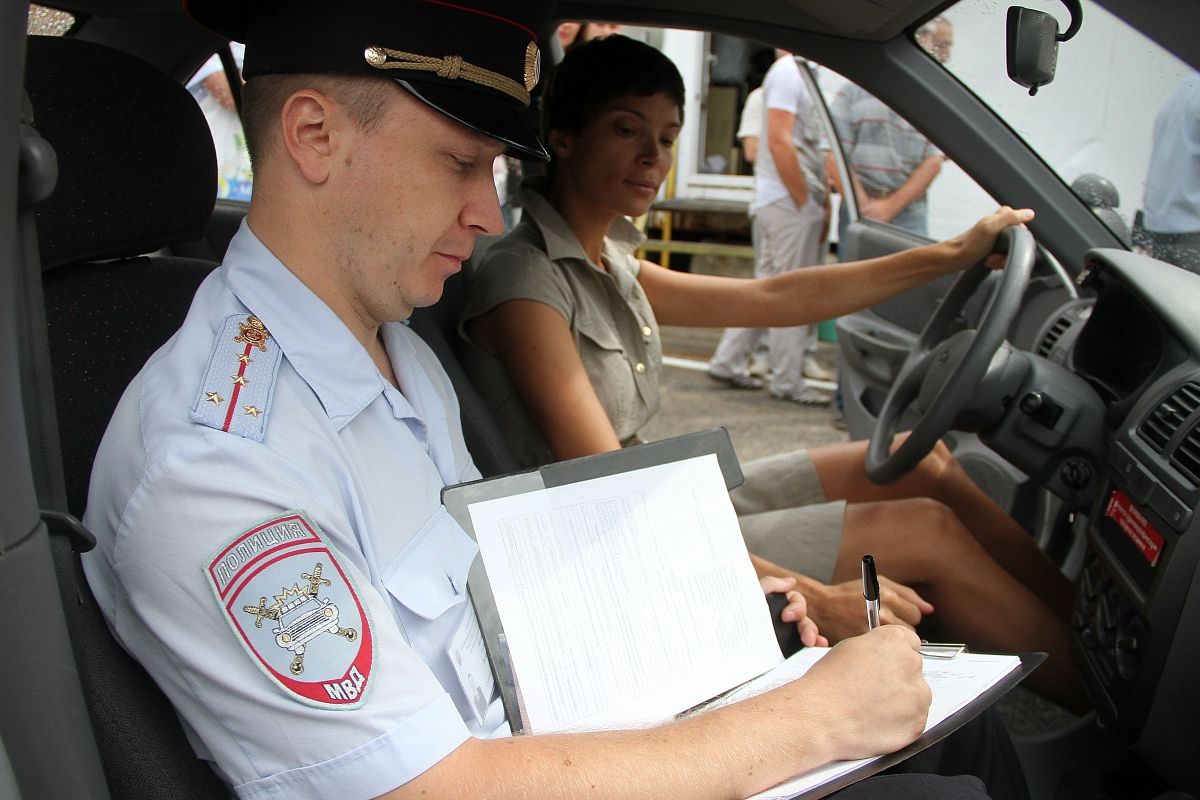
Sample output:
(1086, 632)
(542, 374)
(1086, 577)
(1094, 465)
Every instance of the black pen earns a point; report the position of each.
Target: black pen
(871, 591)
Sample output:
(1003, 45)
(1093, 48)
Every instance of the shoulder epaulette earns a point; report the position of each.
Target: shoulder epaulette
(236, 394)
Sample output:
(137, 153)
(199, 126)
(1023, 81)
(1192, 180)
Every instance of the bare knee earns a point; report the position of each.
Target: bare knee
(916, 526)
(937, 525)
(938, 464)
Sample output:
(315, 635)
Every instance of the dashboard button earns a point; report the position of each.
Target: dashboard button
(1136, 480)
(1076, 474)
(1171, 508)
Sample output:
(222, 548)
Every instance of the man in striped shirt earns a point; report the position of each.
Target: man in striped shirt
(892, 163)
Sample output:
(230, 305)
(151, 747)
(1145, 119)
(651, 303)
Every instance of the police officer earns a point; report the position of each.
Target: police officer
(271, 543)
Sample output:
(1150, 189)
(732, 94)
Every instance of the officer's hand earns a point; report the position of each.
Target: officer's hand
(874, 698)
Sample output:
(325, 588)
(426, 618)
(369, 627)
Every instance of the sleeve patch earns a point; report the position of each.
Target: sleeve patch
(235, 396)
(296, 611)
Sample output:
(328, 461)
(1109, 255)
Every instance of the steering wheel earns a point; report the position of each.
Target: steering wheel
(941, 373)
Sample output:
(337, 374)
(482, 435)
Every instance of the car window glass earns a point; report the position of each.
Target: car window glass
(719, 73)
(899, 176)
(735, 68)
(44, 21)
(723, 121)
(1095, 123)
(210, 87)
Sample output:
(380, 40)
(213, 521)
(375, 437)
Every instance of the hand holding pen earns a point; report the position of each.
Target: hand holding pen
(870, 579)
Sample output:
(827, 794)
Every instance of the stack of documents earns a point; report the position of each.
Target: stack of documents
(624, 599)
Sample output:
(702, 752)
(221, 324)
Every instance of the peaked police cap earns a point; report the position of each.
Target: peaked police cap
(476, 61)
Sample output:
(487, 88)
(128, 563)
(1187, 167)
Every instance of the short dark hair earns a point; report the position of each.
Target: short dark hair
(595, 73)
(263, 96)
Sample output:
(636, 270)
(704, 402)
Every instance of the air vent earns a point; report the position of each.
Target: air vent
(1161, 425)
(1186, 457)
(1060, 326)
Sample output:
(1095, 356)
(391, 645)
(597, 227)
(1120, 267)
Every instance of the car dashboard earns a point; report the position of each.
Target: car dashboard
(1137, 619)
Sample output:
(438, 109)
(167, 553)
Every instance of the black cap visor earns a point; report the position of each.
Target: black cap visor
(482, 112)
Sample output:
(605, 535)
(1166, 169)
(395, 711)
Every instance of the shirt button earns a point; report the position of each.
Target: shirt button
(639, 367)
(646, 330)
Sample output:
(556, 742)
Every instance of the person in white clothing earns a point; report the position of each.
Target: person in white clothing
(790, 222)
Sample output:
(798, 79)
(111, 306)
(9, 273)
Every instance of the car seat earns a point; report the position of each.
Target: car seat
(136, 173)
(438, 326)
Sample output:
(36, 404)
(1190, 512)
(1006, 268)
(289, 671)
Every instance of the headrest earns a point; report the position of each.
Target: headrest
(137, 169)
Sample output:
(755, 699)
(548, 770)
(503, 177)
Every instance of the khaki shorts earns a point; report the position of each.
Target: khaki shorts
(785, 516)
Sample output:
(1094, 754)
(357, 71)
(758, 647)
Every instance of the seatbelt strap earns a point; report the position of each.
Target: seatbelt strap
(37, 177)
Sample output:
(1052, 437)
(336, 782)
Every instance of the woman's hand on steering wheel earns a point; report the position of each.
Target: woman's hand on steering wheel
(978, 243)
(944, 369)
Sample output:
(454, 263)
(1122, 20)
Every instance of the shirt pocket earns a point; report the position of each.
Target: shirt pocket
(429, 577)
(608, 366)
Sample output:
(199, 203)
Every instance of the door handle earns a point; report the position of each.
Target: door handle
(876, 353)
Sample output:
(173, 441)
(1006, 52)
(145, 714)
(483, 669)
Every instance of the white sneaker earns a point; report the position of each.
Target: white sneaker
(816, 372)
(808, 396)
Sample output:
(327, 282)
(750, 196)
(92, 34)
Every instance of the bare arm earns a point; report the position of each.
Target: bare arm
(217, 85)
(886, 208)
(780, 125)
(804, 296)
(535, 345)
(750, 148)
(831, 170)
(864, 698)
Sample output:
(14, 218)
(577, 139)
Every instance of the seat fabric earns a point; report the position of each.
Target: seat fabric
(137, 172)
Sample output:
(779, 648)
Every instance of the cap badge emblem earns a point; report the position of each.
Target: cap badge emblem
(253, 332)
(533, 66)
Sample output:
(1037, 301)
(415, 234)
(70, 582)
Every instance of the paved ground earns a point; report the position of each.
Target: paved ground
(758, 424)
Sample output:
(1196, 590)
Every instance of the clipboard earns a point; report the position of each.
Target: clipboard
(459, 497)
(1029, 662)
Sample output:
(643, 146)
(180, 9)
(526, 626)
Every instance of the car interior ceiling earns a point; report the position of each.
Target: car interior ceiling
(854, 18)
(844, 19)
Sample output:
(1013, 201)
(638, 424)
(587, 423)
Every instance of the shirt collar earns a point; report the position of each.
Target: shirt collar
(315, 341)
(560, 240)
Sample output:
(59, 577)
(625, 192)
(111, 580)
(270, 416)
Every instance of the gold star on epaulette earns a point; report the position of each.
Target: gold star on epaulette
(253, 411)
(214, 398)
(240, 380)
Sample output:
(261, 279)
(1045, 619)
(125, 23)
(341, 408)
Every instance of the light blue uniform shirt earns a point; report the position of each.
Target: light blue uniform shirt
(311, 427)
(1172, 198)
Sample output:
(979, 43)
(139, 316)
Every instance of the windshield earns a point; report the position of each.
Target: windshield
(1120, 123)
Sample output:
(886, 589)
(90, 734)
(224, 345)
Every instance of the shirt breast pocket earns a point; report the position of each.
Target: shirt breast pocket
(429, 576)
(608, 367)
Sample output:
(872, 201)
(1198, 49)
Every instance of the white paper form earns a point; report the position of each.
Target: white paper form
(955, 683)
(625, 599)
